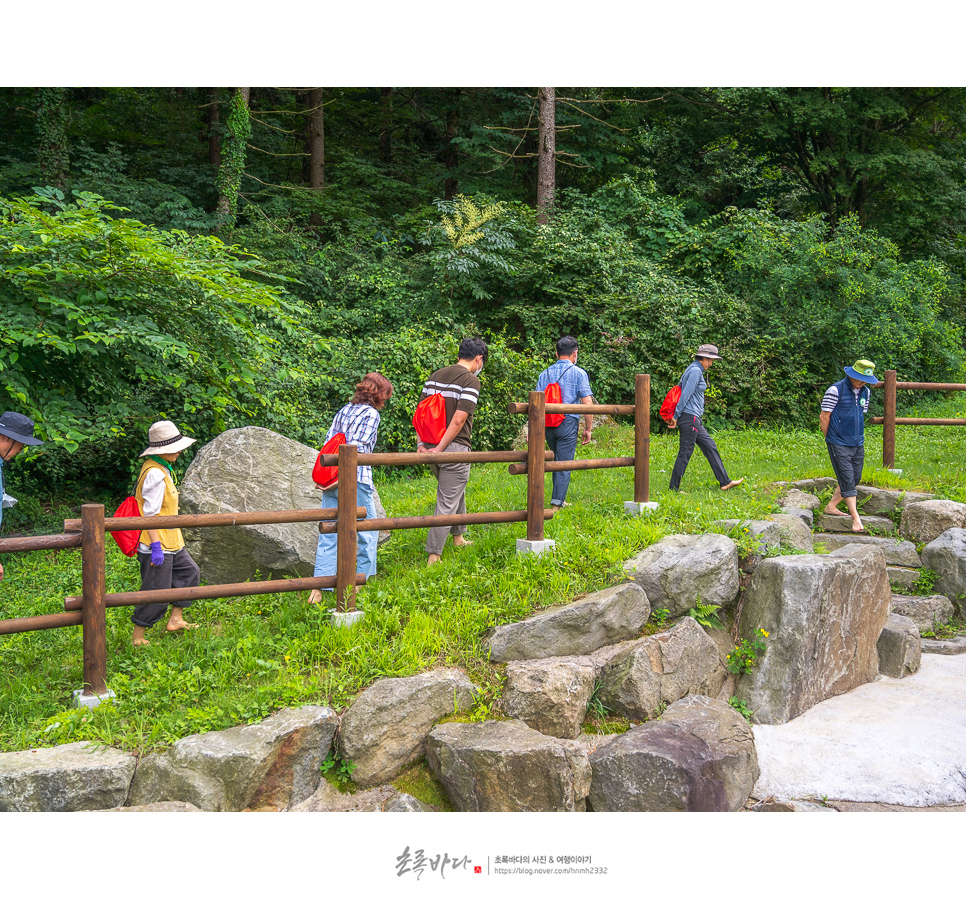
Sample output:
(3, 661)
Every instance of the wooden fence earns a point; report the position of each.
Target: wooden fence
(88, 609)
(889, 420)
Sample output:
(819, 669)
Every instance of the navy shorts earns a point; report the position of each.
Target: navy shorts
(847, 463)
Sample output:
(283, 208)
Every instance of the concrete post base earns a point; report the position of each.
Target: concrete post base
(347, 618)
(90, 700)
(639, 507)
(534, 546)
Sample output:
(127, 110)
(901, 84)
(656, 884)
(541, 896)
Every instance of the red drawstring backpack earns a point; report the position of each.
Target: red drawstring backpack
(553, 396)
(127, 540)
(429, 419)
(670, 403)
(325, 476)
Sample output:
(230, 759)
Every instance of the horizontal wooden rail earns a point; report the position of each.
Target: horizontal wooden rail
(48, 621)
(438, 457)
(572, 409)
(46, 541)
(229, 519)
(558, 466)
(911, 385)
(206, 592)
(880, 420)
(438, 520)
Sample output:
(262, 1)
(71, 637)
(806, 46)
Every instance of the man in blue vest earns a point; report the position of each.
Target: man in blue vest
(16, 430)
(844, 408)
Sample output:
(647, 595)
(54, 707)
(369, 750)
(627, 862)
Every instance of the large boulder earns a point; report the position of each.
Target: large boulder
(385, 729)
(900, 647)
(815, 486)
(842, 523)
(273, 764)
(699, 756)
(924, 521)
(797, 498)
(80, 776)
(896, 552)
(508, 766)
(946, 556)
(678, 570)
(252, 469)
(550, 694)
(599, 619)
(823, 616)
(661, 669)
(926, 612)
(780, 530)
(871, 500)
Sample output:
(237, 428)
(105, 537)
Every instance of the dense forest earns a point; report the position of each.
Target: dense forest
(243, 255)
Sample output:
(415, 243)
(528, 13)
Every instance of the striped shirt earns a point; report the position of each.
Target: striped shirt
(831, 399)
(461, 391)
(359, 422)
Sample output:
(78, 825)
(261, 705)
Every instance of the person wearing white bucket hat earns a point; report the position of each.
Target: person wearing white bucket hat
(687, 417)
(164, 561)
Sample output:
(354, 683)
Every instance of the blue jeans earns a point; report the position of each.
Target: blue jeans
(562, 440)
(326, 553)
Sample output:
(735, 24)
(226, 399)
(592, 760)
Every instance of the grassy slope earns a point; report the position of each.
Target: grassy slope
(256, 655)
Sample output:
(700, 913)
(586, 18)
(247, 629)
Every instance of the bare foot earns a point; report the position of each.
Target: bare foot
(462, 541)
(433, 559)
(138, 637)
(174, 624)
(833, 510)
(732, 484)
(315, 596)
(857, 526)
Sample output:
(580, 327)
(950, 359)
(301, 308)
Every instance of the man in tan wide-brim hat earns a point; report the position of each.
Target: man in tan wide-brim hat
(687, 418)
(164, 561)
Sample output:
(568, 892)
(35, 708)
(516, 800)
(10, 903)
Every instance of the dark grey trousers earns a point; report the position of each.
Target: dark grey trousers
(693, 432)
(177, 571)
(847, 463)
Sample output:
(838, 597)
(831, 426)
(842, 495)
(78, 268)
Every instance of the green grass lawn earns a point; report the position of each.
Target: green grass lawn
(254, 656)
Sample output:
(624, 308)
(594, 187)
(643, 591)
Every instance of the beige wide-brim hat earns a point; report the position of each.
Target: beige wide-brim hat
(164, 438)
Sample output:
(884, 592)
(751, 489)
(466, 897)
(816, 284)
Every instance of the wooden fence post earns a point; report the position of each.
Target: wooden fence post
(536, 486)
(642, 437)
(346, 549)
(889, 422)
(94, 589)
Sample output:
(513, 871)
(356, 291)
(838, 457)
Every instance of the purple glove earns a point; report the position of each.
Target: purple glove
(157, 554)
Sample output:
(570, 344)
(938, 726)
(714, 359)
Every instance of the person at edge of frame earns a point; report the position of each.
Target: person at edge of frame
(460, 387)
(574, 386)
(687, 418)
(16, 432)
(842, 419)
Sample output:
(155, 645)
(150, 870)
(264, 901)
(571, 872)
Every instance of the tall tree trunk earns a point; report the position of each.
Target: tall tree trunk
(233, 155)
(547, 144)
(316, 144)
(385, 136)
(214, 127)
(451, 187)
(53, 152)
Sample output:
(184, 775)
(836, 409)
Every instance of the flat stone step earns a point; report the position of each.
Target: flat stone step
(954, 646)
(896, 551)
(832, 523)
(905, 578)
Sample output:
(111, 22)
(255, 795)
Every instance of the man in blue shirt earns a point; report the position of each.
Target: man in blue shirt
(844, 408)
(574, 387)
(687, 418)
(16, 430)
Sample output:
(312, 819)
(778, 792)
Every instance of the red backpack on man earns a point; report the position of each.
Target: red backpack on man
(555, 397)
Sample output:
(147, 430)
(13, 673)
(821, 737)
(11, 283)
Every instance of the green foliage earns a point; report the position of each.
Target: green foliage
(337, 770)
(740, 706)
(705, 614)
(54, 153)
(233, 153)
(746, 653)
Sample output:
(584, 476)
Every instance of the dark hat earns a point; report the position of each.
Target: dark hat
(708, 351)
(18, 427)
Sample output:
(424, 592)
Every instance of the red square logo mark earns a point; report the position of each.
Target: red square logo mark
(478, 870)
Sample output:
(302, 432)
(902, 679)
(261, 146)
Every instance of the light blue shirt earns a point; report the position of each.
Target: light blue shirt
(693, 384)
(573, 380)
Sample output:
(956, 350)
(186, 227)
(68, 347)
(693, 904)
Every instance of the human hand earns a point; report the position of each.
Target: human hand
(586, 436)
(157, 554)
(673, 423)
(422, 449)
(1, 571)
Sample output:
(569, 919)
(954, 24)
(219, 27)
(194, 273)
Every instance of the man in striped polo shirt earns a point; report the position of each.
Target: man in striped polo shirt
(460, 387)
(844, 408)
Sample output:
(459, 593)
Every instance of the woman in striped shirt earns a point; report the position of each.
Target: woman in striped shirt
(358, 420)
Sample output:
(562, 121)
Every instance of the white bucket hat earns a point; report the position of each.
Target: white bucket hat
(164, 438)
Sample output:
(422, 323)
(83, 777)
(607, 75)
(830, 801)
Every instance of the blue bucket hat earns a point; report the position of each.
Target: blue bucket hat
(18, 427)
(862, 370)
